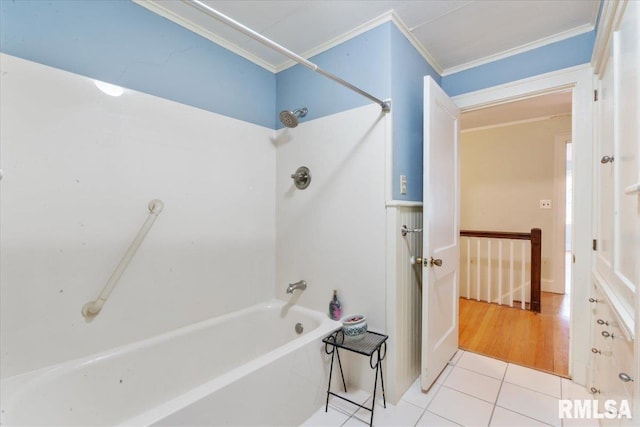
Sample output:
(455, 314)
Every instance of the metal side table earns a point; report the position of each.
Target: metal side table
(371, 344)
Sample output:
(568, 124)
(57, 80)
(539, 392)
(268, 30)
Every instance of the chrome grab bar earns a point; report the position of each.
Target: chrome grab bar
(92, 308)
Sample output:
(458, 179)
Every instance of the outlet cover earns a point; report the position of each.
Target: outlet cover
(545, 204)
(403, 184)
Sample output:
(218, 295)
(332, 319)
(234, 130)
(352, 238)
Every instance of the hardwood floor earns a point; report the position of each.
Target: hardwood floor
(539, 341)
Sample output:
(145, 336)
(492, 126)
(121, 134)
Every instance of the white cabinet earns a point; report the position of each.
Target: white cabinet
(617, 243)
(612, 358)
(616, 268)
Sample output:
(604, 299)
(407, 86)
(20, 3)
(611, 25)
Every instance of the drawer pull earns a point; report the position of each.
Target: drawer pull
(606, 334)
(594, 390)
(625, 377)
(602, 322)
(593, 300)
(595, 351)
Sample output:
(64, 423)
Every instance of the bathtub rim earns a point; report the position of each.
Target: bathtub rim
(15, 386)
(325, 326)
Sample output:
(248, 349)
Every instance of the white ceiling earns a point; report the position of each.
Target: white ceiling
(534, 108)
(451, 34)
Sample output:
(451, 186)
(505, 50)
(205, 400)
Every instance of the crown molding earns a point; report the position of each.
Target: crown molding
(156, 7)
(373, 23)
(520, 49)
(513, 123)
(369, 25)
(404, 29)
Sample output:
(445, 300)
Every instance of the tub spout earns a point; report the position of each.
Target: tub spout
(302, 285)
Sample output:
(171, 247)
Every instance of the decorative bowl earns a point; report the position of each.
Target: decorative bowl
(354, 326)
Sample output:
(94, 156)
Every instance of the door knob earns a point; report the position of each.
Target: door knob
(435, 262)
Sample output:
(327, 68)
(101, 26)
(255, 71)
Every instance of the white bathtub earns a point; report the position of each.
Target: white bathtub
(246, 368)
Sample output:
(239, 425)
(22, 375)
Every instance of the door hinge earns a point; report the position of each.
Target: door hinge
(594, 245)
(595, 95)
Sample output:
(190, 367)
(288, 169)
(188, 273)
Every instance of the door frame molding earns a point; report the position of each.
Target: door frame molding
(560, 212)
(580, 80)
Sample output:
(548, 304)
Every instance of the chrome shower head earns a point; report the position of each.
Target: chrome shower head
(290, 118)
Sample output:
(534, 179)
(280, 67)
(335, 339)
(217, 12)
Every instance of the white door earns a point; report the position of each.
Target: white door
(441, 235)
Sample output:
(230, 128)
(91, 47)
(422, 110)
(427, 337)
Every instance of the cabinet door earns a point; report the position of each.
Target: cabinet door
(604, 170)
(626, 217)
(617, 213)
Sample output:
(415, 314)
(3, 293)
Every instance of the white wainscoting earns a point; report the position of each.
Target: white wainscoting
(404, 300)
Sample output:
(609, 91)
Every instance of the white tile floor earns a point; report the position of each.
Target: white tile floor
(473, 390)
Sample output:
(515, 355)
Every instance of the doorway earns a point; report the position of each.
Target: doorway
(580, 80)
(513, 179)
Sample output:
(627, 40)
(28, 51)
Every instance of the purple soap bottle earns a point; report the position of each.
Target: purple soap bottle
(335, 307)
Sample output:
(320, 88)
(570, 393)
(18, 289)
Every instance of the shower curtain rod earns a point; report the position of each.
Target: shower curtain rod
(385, 105)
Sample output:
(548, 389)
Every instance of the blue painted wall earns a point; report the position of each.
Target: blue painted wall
(408, 69)
(364, 61)
(123, 43)
(552, 57)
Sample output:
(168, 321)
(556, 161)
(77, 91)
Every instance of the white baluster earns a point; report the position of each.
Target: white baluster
(510, 273)
(468, 267)
(488, 270)
(478, 270)
(522, 275)
(499, 272)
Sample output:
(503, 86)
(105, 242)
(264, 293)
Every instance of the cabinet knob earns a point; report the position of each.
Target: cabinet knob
(595, 351)
(606, 159)
(625, 377)
(594, 390)
(602, 322)
(593, 300)
(606, 334)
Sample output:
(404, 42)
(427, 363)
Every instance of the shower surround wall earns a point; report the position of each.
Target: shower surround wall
(79, 169)
(332, 234)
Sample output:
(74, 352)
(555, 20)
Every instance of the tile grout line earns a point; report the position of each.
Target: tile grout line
(535, 391)
(425, 408)
(471, 395)
(523, 386)
(480, 373)
(440, 416)
(493, 410)
(523, 415)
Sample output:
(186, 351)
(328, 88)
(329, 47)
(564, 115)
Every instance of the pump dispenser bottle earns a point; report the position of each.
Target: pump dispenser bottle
(335, 307)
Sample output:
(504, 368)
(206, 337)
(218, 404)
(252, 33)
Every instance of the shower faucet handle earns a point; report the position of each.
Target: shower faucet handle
(301, 177)
(299, 174)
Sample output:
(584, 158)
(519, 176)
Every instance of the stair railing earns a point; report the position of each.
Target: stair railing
(534, 236)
